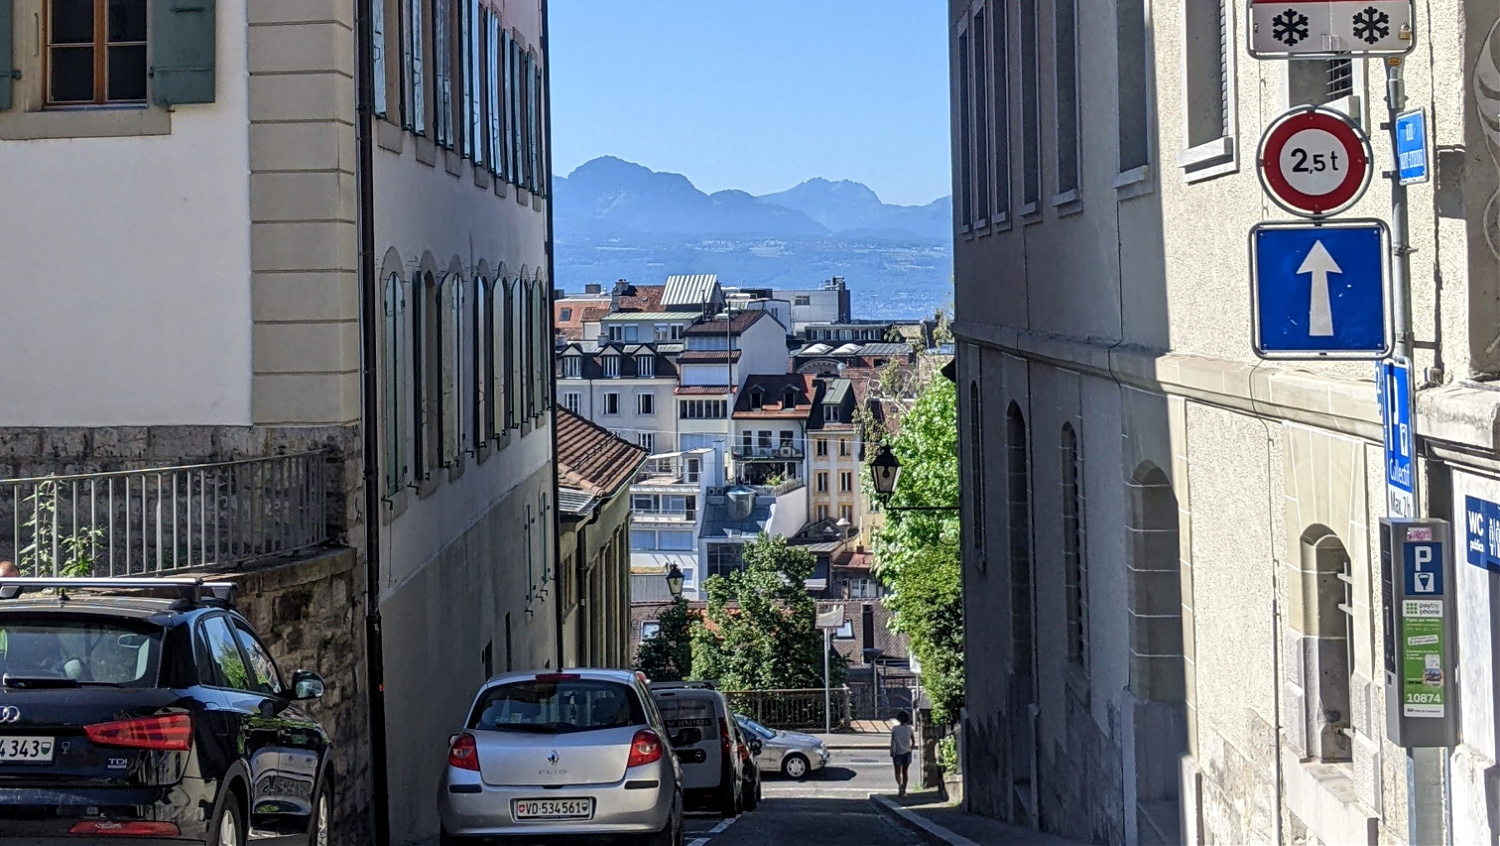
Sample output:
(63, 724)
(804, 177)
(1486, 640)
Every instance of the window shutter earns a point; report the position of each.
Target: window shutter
(182, 43)
(7, 47)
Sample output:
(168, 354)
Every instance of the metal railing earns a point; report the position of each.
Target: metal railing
(792, 709)
(785, 452)
(165, 520)
(666, 514)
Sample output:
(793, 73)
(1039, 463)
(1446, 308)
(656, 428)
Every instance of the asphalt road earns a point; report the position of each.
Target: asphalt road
(830, 808)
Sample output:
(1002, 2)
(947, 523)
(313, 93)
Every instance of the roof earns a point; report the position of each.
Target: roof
(638, 316)
(579, 313)
(708, 356)
(772, 389)
(739, 321)
(689, 290)
(574, 501)
(886, 348)
(702, 390)
(837, 391)
(591, 459)
(642, 298)
(719, 524)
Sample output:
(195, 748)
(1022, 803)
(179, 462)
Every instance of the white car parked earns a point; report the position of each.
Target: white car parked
(790, 753)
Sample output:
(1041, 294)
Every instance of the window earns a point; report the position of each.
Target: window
(843, 447)
(442, 72)
(675, 541)
(632, 333)
(1206, 70)
(515, 307)
(977, 468)
(647, 440)
(847, 512)
(757, 399)
(822, 481)
(611, 366)
(483, 360)
(747, 441)
(450, 357)
(863, 589)
(500, 357)
(112, 651)
(802, 300)
(494, 81)
(1031, 107)
(965, 132)
(642, 541)
(784, 439)
(645, 404)
(1132, 97)
(1322, 635)
(830, 413)
(763, 439)
(219, 659)
(846, 482)
(266, 678)
(428, 384)
(565, 314)
(474, 131)
(650, 629)
(1018, 503)
(845, 632)
(1075, 563)
(676, 333)
(611, 403)
(572, 367)
(1065, 35)
(822, 512)
(645, 366)
(724, 558)
(96, 52)
(981, 48)
(822, 448)
(394, 381)
(414, 113)
(571, 401)
(700, 409)
(1000, 86)
(377, 58)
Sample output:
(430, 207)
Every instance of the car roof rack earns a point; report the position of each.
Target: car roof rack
(683, 685)
(190, 592)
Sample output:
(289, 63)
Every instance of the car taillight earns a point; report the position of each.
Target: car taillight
(171, 732)
(107, 828)
(645, 748)
(724, 735)
(464, 753)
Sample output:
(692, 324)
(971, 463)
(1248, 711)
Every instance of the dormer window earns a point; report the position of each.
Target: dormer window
(572, 367)
(757, 399)
(612, 367)
(789, 399)
(830, 413)
(616, 333)
(645, 366)
(566, 315)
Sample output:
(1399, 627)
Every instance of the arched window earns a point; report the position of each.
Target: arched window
(427, 386)
(1075, 566)
(976, 471)
(1321, 636)
(519, 344)
(499, 356)
(394, 383)
(451, 360)
(1018, 501)
(484, 359)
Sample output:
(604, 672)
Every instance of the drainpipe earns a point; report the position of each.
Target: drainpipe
(369, 311)
(546, 108)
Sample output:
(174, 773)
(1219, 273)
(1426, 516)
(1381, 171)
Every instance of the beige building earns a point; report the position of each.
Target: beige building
(1171, 548)
(252, 256)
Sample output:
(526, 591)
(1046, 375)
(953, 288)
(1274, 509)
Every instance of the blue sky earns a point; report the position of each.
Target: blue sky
(757, 95)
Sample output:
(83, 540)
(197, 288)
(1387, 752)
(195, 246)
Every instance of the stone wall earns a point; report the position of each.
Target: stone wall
(1081, 783)
(311, 615)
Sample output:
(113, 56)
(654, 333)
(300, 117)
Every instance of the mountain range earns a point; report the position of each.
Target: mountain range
(619, 220)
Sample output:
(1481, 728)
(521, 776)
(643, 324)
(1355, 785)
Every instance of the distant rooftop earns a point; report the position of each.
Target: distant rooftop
(689, 291)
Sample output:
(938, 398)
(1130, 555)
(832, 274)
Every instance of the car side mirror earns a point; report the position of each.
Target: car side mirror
(307, 684)
(756, 746)
(687, 737)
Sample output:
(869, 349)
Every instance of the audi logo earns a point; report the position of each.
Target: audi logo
(10, 714)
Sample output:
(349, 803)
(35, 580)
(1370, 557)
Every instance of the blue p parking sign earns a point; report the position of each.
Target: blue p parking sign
(1424, 570)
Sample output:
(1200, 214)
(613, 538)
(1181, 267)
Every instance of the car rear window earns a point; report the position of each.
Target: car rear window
(561, 706)
(83, 650)
(681, 711)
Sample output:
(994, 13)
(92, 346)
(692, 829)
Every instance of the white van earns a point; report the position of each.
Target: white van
(717, 760)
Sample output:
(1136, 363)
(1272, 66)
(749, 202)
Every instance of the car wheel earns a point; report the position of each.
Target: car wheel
(752, 800)
(228, 829)
(319, 833)
(729, 798)
(795, 766)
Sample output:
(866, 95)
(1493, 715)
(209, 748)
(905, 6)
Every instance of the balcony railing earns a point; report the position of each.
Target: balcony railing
(793, 709)
(165, 520)
(665, 514)
(785, 452)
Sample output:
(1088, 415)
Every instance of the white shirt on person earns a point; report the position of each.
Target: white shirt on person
(901, 740)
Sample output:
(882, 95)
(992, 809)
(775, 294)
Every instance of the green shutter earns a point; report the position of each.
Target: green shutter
(7, 41)
(182, 47)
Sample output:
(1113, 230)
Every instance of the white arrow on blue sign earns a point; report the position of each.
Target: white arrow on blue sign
(1320, 290)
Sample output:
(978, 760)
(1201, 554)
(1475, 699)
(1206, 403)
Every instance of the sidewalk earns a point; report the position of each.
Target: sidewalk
(942, 824)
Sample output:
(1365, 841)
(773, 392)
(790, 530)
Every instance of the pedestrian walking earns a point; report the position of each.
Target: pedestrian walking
(901, 743)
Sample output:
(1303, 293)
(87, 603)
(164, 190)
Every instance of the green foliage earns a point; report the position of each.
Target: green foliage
(761, 629)
(947, 754)
(669, 655)
(917, 552)
(52, 549)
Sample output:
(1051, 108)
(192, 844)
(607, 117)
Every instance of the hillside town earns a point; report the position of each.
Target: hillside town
(385, 461)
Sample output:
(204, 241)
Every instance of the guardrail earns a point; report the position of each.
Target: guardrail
(792, 709)
(165, 520)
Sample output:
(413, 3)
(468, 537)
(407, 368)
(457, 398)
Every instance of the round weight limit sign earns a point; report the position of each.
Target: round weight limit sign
(1314, 162)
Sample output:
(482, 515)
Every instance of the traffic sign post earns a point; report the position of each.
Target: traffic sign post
(1319, 290)
(1411, 146)
(1417, 571)
(1310, 29)
(1314, 162)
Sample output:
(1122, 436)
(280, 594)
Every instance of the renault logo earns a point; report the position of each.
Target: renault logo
(552, 758)
(12, 714)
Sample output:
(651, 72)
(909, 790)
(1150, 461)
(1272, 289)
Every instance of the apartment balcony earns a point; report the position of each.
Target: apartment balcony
(686, 516)
(785, 452)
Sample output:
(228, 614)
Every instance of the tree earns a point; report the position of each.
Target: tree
(917, 552)
(668, 656)
(760, 631)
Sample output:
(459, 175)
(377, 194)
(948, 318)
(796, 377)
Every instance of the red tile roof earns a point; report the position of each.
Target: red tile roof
(591, 458)
(645, 298)
(772, 389)
(738, 322)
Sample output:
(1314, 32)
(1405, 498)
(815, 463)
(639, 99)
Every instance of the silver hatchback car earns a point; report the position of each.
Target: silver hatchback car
(577, 752)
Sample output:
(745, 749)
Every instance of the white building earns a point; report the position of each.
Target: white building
(828, 303)
(669, 499)
(768, 435)
(1171, 548)
(625, 387)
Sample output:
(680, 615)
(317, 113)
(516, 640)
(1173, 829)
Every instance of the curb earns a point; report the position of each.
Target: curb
(928, 830)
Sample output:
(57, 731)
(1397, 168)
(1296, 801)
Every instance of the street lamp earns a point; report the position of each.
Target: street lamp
(674, 582)
(884, 471)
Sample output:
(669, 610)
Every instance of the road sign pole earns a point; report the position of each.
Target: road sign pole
(1426, 786)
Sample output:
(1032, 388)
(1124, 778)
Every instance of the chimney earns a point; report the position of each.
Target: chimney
(593, 288)
(621, 286)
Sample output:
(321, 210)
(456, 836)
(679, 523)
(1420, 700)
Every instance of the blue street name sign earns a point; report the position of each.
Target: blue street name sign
(1424, 570)
(1482, 532)
(1393, 382)
(1411, 146)
(1320, 290)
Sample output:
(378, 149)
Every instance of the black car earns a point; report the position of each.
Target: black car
(132, 717)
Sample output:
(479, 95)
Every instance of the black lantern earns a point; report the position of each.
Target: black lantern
(674, 582)
(884, 470)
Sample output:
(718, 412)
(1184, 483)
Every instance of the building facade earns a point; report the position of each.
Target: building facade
(327, 239)
(1172, 571)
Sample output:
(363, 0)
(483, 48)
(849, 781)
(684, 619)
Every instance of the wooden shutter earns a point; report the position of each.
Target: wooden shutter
(7, 49)
(182, 45)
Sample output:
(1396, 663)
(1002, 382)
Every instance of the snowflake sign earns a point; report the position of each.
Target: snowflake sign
(1281, 29)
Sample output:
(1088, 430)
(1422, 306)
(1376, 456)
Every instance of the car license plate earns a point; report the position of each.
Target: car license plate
(26, 750)
(553, 809)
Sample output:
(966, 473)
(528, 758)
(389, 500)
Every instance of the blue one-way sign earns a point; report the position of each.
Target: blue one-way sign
(1320, 290)
(1411, 146)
